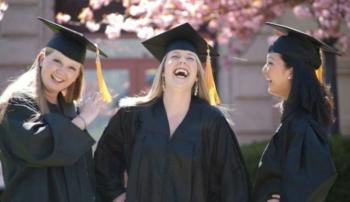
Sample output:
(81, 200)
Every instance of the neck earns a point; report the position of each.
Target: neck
(176, 102)
(51, 97)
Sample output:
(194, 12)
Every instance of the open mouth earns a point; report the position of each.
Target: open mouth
(56, 79)
(181, 73)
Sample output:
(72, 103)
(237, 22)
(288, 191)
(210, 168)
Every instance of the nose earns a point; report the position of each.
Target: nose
(182, 60)
(61, 71)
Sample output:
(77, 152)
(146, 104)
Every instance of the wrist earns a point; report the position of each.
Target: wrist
(83, 121)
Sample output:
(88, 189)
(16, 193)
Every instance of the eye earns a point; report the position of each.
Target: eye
(175, 56)
(57, 60)
(190, 59)
(269, 63)
(72, 68)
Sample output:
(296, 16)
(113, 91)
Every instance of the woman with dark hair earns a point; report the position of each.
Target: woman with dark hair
(174, 143)
(45, 147)
(296, 165)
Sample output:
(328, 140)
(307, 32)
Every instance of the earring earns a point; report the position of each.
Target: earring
(163, 83)
(196, 89)
(289, 77)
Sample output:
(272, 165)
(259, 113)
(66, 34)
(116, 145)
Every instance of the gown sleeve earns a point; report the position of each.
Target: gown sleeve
(110, 162)
(49, 140)
(309, 171)
(229, 181)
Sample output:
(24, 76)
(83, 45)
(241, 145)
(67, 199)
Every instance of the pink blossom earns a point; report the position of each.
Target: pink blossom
(97, 4)
(86, 15)
(113, 32)
(227, 18)
(145, 32)
(130, 25)
(302, 11)
(62, 18)
(115, 19)
(92, 26)
(3, 6)
(213, 26)
(137, 10)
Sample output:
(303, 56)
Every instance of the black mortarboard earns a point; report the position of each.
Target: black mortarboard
(71, 43)
(299, 45)
(183, 37)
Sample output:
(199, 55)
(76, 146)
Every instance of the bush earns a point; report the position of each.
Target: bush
(340, 191)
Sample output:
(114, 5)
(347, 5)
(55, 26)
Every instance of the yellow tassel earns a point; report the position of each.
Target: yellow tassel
(319, 71)
(213, 94)
(101, 82)
(319, 74)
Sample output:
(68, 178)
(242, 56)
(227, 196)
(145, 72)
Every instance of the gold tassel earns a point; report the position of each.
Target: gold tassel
(106, 96)
(319, 74)
(213, 94)
(319, 71)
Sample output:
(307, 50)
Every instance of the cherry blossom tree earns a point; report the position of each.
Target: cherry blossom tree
(222, 21)
(3, 8)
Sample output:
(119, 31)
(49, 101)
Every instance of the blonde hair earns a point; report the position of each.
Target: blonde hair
(29, 86)
(156, 90)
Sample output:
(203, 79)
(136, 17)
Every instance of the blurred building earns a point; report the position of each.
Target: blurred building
(129, 68)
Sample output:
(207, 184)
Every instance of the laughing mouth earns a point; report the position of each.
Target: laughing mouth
(56, 79)
(181, 73)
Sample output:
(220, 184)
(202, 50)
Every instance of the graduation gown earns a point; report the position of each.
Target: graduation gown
(201, 162)
(297, 162)
(47, 160)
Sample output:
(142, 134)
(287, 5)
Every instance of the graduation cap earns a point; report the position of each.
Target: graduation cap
(73, 44)
(300, 45)
(185, 37)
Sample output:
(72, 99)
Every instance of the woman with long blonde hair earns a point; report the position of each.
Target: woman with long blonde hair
(172, 143)
(45, 148)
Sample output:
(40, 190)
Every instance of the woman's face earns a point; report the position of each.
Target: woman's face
(279, 77)
(180, 70)
(58, 72)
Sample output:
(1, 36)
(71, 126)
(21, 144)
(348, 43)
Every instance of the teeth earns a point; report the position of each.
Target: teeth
(181, 72)
(57, 79)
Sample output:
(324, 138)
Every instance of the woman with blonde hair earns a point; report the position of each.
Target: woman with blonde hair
(45, 148)
(173, 144)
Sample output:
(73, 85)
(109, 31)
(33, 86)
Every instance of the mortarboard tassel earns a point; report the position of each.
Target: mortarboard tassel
(319, 74)
(319, 71)
(101, 82)
(213, 94)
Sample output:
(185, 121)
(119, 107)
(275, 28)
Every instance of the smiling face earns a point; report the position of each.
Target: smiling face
(279, 77)
(58, 72)
(180, 70)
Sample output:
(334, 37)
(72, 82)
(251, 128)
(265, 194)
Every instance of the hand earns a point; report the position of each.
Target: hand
(120, 198)
(91, 106)
(275, 198)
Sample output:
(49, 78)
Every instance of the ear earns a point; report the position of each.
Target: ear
(40, 57)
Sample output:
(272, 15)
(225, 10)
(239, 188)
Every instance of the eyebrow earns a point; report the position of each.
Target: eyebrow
(175, 52)
(269, 57)
(191, 54)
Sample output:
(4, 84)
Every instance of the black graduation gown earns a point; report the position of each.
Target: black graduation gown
(201, 162)
(297, 162)
(48, 160)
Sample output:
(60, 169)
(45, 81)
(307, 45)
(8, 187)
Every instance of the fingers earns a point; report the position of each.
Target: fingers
(275, 198)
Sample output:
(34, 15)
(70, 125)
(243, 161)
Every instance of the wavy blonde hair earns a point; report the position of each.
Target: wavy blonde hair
(29, 86)
(156, 90)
